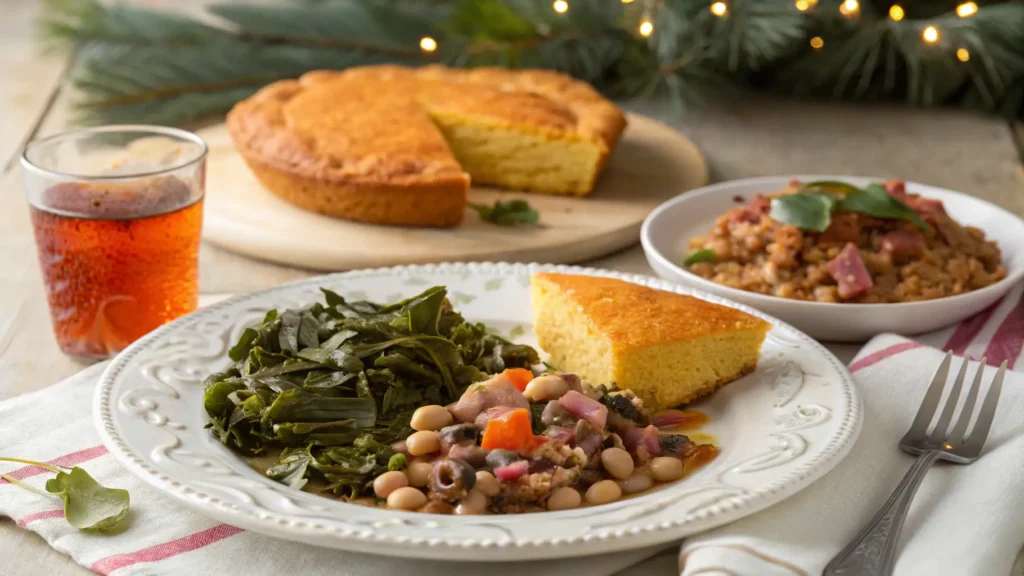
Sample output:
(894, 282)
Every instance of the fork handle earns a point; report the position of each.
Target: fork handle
(873, 551)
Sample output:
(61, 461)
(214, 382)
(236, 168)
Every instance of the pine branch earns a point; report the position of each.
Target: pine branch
(136, 64)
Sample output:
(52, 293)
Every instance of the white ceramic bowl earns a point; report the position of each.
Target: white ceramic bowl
(666, 233)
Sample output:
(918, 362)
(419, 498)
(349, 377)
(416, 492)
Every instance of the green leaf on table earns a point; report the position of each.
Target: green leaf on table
(88, 505)
(702, 255)
(875, 201)
(511, 213)
(809, 211)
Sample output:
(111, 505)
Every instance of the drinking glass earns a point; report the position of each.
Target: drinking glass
(117, 213)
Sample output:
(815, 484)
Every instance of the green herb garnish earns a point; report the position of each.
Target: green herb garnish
(88, 506)
(702, 255)
(812, 207)
(509, 213)
(334, 384)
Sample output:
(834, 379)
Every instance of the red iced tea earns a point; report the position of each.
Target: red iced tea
(118, 259)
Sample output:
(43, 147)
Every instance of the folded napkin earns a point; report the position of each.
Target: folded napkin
(965, 520)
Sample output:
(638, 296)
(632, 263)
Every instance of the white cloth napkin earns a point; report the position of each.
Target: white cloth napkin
(965, 520)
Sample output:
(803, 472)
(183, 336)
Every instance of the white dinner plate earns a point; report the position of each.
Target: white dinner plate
(666, 234)
(779, 429)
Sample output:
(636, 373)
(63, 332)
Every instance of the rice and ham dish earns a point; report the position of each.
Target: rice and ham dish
(858, 258)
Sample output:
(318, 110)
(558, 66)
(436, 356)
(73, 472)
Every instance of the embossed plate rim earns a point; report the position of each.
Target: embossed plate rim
(632, 532)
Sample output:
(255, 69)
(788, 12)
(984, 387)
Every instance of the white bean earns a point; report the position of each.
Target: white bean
(423, 442)
(603, 492)
(487, 484)
(388, 482)
(564, 498)
(431, 417)
(666, 468)
(419, 473)
(407, 498)
(546, 387)
(617, 462)
(636, 482)
(473, 503)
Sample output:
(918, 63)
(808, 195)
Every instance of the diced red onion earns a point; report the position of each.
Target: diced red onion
(559, 434)
(590, 444)
(586, 408)
(512, 472)
(400, 446)
(647, 437)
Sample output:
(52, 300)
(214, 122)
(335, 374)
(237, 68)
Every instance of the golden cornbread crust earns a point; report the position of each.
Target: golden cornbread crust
(361, 143)
(633, 316)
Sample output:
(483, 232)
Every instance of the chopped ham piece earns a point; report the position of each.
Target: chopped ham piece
(498, 391)
(903, 242)
(512, 472)
(586, 408)
(850, 273)
(647, 437)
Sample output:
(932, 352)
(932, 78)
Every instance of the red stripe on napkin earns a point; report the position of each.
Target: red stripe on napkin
(876, 357)
(968, 330)
(67, 460)
(45, 515)
(166, 550)
(1008, 341)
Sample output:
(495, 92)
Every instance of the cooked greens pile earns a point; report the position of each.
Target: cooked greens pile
(335, 384)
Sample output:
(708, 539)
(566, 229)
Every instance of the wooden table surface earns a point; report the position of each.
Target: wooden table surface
(743, 137)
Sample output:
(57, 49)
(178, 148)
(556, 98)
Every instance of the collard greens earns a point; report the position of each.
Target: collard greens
(334, 384)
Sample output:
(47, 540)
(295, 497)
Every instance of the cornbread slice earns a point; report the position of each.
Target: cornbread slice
(394, 145)
(667, 348)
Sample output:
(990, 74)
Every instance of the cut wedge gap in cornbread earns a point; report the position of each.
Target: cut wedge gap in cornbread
(513, 157)
(667, 348)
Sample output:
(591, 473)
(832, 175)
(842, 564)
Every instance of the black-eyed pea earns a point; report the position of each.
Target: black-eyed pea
(388, 482)
(563, 498)
(617, 462)
(423, 442)
(419, 473)
(431, 417)
(487, 484)
(666, 468)
(475, 502)
(546, 387)
(407, 498)
(636, 482)
(603, 492)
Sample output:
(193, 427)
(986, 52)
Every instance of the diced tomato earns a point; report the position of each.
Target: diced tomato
(511, 431)
(520, 377)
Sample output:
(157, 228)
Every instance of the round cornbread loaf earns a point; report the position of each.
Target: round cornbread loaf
(383, 144)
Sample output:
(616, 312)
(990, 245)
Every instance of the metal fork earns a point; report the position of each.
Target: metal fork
(873, 551)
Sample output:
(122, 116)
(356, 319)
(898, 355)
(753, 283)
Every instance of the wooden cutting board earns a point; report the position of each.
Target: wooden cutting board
(651, 164)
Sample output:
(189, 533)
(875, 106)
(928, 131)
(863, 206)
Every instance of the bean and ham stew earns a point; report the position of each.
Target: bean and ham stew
(834, 242)
(408, 406)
